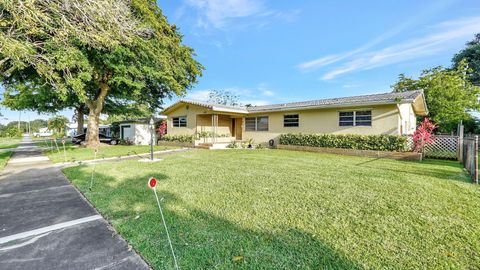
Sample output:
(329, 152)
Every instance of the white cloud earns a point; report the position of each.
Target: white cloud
(268, 93)
(224, 14)
(218, 12)
(334, 58)
(447, 34)
(201, 95)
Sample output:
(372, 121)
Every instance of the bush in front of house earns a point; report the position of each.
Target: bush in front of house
(209, 134)
(347, 141)
(178, 138)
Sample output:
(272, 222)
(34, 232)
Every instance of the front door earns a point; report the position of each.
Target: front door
(238, 128)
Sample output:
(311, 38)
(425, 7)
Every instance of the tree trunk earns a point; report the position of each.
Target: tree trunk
(95, 109)
(80, 119)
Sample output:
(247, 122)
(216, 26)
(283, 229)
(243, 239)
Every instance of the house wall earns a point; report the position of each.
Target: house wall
(142, 134)
(138, 133)
(199, 119)
(204, 124)
(191, 112)
(408, 119)
(385, 120)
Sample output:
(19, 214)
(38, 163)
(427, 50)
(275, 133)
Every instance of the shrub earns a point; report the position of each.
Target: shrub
(423, 135)
(178, 138)
(348, 141)
(125, 142)
(209, 134)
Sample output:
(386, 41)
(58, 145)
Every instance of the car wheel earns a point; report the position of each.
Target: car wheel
(113, 142)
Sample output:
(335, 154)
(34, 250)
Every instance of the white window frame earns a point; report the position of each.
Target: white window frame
(355, 118)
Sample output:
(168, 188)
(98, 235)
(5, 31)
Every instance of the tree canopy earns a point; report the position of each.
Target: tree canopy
(97, 50)
(471, 54)
(449, 96)
(57, 124)
(223, 97)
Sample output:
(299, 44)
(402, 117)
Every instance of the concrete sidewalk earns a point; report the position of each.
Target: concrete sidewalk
(45, 223)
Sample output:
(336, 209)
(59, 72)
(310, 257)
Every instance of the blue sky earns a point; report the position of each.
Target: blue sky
(282, 51)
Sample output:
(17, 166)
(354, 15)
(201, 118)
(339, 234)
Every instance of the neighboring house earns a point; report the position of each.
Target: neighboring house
(388, 113)
(137, 131)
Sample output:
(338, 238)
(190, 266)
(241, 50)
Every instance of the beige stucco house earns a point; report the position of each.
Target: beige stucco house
(388, 113)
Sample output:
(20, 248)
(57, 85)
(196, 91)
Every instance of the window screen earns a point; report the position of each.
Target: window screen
(346, 119)
(290, 120)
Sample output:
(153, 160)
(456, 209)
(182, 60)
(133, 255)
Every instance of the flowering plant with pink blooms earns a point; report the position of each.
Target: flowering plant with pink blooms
(162, 129)
(423, 135)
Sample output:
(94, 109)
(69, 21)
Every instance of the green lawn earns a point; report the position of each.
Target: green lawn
(9, 142)
(75, 152)
(4, 157)
(274, 209)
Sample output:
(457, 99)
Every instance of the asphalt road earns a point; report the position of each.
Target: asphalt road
(45, 223)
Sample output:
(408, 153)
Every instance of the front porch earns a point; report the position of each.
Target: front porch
(217, 130)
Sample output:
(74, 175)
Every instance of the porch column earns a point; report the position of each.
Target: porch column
(214, 127)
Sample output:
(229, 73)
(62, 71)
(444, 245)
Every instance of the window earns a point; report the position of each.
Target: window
(180, 121)
(250, 124)
(256, 123)
(346, 119)
(363, 118)
(355, 118)
(262, 123)
(290, 120)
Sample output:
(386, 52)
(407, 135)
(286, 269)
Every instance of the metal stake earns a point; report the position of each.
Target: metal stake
(166, 230)
(93, 171)
(152, 126)
(64, 152)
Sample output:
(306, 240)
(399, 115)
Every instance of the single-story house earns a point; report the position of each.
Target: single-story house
(138, 131)
(388, 113)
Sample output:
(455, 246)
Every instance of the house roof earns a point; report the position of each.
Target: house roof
(144, 120)
(415, 97)
(208, 105)
(375, 99)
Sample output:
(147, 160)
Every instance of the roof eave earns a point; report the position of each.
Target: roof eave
(347, 105)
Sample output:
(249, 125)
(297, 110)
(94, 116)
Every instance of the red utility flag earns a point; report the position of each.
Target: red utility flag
(152, 182)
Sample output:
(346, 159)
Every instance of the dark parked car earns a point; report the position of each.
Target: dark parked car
(103, 138)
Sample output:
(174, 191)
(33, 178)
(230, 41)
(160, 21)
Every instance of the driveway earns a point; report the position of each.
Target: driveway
(45, 223)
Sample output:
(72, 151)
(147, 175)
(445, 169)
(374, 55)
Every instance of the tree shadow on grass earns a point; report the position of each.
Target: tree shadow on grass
(201, 239)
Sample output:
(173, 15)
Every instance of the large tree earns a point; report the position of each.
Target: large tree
(37, 95)
(124, 51)
(223, 97)
(450, 98)
(471, 54)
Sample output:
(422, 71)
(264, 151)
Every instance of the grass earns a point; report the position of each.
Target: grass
(6, 143)
(4, 157)
(76, 153)
(274, 209)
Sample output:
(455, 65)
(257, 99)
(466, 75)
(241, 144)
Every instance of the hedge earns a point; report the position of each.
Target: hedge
(348, 141)
(178, 138)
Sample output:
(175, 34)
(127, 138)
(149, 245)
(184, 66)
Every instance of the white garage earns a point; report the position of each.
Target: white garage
(137, 131)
